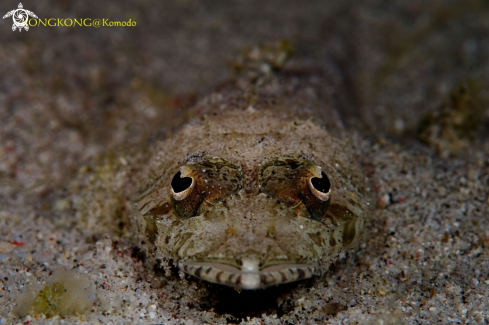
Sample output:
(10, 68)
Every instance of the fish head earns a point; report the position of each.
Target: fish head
(249, 208)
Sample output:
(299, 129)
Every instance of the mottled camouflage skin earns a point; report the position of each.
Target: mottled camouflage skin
(250, 220)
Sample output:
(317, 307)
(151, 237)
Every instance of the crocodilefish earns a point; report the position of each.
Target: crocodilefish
(256, 190)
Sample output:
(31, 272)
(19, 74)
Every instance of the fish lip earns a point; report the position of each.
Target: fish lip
(221, 273)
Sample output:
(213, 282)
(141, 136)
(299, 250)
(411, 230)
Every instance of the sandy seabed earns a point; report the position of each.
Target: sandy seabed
(69, 95)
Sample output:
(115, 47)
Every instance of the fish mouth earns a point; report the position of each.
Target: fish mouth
(248, 277)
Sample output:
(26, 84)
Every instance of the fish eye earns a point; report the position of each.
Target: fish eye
(181, 187)
(299, 183)
(184, 199)
(203, 182)
(320, 187)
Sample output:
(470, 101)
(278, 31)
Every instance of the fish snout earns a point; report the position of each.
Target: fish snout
(251, 274)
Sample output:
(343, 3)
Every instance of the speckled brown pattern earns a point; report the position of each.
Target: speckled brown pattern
(258, 208)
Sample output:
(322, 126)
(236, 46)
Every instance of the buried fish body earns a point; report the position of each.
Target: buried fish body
(251, 196)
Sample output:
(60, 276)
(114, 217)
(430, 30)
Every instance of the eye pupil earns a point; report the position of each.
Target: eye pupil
(180, 184)
(321, 184)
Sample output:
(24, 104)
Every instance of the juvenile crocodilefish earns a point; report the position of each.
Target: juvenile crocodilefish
(255, 191)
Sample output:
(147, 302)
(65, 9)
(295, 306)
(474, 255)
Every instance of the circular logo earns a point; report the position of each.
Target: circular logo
(20, 18)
